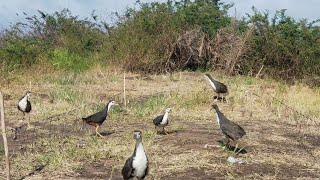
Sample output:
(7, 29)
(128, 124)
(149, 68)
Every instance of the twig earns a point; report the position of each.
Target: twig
(4, 136)
(258, 74)
(201, 46)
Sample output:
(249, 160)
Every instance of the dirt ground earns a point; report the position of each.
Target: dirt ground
(280, 143)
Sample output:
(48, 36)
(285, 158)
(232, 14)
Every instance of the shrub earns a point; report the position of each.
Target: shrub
(62, 59)
(163, 37)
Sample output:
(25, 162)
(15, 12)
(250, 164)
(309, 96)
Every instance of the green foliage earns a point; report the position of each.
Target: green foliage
(286, 47)
(59, 38)
(148, 34)
(62, 59)
(144, 39)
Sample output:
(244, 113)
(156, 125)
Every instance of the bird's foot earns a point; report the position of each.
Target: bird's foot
(98, 134)
(224, 100)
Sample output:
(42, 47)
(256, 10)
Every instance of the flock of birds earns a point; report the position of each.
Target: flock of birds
(137, 165)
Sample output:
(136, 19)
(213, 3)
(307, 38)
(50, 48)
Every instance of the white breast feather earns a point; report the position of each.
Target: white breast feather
(211, 83)
(218, 119)
(165, 118)
(23, 103)
(140, 161)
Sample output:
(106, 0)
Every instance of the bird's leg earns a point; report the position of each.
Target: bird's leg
(215, 98)
(237, 150)
(29, 126)
(227, 142)
(164, 131)
(97, 133)
(224, 99)
(83, 124)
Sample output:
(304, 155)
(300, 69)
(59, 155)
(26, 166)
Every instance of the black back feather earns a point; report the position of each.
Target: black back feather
(28, 108)
(98, 117)
(127, 170)
(229, 128)
(158, 120)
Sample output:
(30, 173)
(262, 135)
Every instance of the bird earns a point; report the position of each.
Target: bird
(230, 129)
(98, 118)
(162, 120)
(218, 87)
(24, 105)
(137, 165)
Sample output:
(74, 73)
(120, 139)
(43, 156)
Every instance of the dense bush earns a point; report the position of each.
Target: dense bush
(286, 48)
(161, 37)
(38, 39)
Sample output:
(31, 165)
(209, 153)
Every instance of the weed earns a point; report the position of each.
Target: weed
(62, 59)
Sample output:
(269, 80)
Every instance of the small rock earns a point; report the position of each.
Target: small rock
(234, 160)
(81, 144)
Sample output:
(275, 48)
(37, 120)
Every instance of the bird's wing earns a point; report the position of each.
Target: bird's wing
(158, 120)
(127, 169)
(221, 88)
(97, 117)
(231, 129)
(28, 109)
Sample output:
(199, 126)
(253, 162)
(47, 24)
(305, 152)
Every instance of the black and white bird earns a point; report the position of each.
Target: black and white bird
(137, 166)
(230, 129)
(162, 120)
(98, 118)
(218, 87)
(24, 105)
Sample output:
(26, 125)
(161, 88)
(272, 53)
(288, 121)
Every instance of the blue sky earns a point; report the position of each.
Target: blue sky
(8, 8)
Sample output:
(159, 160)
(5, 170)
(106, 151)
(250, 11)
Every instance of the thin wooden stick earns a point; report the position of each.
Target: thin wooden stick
(260, 71)
(124, 89)
(5, 142)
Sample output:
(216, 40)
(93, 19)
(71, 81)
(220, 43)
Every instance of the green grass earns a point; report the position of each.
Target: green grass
(62, 59)
(67, 94)
(150, 106)
(192, 125)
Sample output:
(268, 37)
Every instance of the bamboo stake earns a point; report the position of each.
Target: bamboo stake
(5, 142)
(124, 89)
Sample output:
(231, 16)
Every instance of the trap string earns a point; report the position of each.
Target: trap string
(299, 125)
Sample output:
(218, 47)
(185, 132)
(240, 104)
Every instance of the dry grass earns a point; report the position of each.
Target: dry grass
(281, 144)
